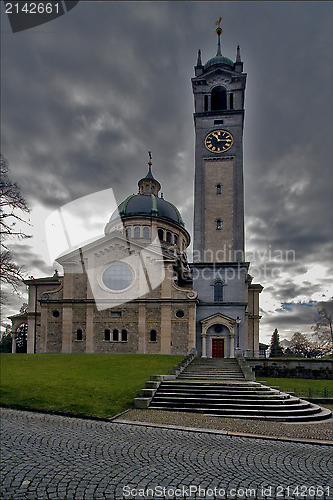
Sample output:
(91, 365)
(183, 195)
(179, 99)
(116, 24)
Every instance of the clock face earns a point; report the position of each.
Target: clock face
(219, 141)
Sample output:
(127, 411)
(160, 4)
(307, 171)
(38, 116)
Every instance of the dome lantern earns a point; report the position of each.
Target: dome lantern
(148, 184)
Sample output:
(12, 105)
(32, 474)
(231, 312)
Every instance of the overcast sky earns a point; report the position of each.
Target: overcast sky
(86, 96)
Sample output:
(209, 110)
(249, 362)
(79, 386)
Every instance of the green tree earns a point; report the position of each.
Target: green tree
(6, 340)
(276, 349)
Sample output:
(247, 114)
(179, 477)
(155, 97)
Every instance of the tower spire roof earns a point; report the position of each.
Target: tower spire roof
(219, 59)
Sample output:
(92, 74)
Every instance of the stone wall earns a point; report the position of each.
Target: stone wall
(292, 368)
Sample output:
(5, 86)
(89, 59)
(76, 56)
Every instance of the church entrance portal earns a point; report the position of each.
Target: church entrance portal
(217, 348)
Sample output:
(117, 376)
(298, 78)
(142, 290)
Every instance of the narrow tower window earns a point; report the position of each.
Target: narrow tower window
(161, 234)
(218, 291)
(124, 335)
(168, 237)
(153, 336)
(218, 188)
(79, 334)
(219, 98)
(137, 232)
(115, 336)
(128, 232)
(107, 335)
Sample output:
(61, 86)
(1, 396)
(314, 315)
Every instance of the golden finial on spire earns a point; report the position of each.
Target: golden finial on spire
(218, 32)
(218, 29)
(150, 158)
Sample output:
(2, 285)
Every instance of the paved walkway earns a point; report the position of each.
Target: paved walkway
(46, 456)
(305, 431)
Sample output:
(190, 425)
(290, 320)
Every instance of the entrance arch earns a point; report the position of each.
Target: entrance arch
(218, 338)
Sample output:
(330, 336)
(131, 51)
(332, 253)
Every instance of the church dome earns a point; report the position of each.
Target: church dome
(219, 59)
(148, 205)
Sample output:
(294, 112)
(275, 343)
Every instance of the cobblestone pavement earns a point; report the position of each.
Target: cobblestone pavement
(48, 456)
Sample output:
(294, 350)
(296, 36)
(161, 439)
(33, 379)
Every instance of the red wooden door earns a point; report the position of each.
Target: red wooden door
(217, 348)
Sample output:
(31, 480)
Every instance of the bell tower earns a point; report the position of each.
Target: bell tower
(219, 88)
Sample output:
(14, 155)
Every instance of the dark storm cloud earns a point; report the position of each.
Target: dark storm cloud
(85, 97)
(26, 257)
(299, 317)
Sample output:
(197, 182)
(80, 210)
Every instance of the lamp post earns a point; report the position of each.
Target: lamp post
(238, 321)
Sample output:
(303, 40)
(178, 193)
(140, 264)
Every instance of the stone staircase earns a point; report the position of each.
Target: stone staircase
(218, 387)
(213, 369)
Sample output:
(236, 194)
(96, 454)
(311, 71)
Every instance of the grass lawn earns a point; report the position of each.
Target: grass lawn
(88, 384)
(302, 386)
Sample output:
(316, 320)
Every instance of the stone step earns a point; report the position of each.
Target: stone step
(212, 369)
(235, 399)
(324, 414)
(227, 403)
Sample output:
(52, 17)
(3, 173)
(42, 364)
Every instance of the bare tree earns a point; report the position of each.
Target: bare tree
(306, 347)
(323, 327)
(12, 204)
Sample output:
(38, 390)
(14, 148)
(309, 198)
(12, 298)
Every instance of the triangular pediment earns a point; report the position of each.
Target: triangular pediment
(220, 319)
(114, 242)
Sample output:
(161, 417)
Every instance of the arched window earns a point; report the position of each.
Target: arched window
(107, 336)
(153, 336)
(175, 239)
(115, 336)
(137, 232)
(79, 334)
(168, 237)
(218, 291)
(218, 188)
(124, 335)
(219, 224)
(161, 234)
(128, 232)
(146, 232)
(219, 98)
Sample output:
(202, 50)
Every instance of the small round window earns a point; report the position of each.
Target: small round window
(180, 314)
(218, 329)
(55, 314)
(118, 276)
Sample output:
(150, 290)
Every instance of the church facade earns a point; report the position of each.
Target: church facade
(133, 290)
